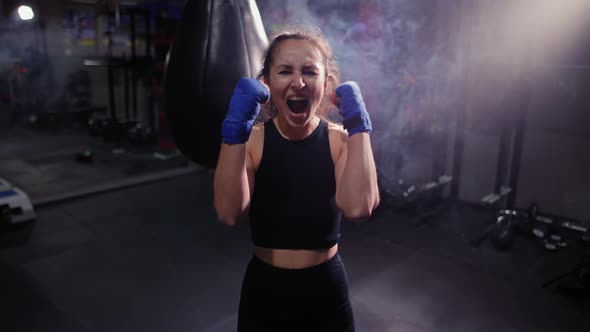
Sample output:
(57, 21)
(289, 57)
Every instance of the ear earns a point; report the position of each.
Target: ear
(265, 85)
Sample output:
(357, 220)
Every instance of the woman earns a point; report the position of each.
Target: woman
(297, 173)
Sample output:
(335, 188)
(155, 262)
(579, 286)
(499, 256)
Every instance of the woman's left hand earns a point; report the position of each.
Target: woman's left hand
(352, 108)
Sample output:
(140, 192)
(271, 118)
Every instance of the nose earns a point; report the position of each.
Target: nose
(297, 83)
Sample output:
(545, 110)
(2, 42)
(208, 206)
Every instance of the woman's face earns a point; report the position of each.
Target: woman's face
(297, 81)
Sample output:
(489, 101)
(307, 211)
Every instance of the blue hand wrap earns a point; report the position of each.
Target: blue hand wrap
(352, 108)
(243, 110)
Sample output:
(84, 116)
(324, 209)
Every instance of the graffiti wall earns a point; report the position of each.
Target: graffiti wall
(404, 55)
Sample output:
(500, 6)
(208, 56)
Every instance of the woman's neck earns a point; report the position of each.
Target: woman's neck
(295, 133)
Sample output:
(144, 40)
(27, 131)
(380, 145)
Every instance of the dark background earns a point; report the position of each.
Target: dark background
(491, 92)
(431, 72)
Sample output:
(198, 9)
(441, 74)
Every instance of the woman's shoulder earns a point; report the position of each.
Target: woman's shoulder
(257, 133)
(255, 144)
(258, 126)
(336, 131)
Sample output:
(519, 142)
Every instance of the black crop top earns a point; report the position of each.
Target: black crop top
(293, 204)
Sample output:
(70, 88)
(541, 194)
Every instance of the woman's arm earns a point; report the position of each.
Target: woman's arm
(231, 189)
(231, 184)
(357, 193)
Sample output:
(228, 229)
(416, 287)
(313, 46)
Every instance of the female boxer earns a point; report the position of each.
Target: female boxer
(297, 173)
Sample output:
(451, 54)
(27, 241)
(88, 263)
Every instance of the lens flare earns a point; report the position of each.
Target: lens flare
(25, 13)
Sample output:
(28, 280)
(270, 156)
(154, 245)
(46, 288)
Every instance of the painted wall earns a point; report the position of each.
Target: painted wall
(408, 69)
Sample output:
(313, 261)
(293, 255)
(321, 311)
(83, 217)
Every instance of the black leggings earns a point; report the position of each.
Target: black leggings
(310, 299)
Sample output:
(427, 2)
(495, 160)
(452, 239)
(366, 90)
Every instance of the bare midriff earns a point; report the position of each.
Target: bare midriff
(295, 259)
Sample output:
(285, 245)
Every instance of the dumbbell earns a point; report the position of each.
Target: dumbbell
(86, 156)
(503, 233)
(546, 229)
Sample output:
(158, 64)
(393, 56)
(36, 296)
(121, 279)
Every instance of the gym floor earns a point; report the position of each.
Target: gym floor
(154, 258)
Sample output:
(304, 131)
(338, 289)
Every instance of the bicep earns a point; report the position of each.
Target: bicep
(339, 154)
(340, 163)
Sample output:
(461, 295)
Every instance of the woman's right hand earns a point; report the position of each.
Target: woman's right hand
(244, 107)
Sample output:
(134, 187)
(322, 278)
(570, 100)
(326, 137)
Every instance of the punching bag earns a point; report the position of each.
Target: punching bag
(217, 43)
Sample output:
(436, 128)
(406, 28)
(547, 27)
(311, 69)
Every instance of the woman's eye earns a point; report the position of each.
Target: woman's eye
(284, 72)
(313, 73)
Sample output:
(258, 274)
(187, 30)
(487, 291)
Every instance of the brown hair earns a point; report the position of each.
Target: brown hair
(315, 36)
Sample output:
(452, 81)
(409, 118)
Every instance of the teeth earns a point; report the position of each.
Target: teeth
(297, 98)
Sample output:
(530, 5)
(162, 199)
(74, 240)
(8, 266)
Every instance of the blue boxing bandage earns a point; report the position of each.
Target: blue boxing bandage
(353, 109)
(244, 107)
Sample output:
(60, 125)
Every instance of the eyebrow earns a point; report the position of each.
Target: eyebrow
(304, 67)
(314, 67)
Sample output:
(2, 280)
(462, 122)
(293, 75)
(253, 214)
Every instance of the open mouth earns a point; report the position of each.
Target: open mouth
(297, 106)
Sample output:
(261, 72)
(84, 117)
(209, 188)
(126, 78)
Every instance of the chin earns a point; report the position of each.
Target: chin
(298, 120)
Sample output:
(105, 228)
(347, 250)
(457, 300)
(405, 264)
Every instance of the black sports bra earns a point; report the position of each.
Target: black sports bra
(293, 202)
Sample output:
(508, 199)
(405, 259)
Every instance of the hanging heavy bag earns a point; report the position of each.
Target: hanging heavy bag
(217, 43)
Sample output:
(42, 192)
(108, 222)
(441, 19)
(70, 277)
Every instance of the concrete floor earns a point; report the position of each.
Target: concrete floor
(153, 258)
(44, 164)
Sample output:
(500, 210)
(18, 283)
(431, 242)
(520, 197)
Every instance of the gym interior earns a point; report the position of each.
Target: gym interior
(481, 140)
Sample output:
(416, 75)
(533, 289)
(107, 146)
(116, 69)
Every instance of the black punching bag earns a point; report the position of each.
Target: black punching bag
(217, 43)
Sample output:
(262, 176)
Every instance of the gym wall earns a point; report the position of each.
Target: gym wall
(469, 68)
(432, 71)
(544, 74)
(556, 159)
